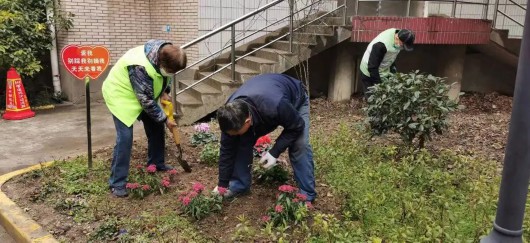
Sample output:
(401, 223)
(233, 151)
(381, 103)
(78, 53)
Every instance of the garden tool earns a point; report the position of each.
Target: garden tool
(168, 109)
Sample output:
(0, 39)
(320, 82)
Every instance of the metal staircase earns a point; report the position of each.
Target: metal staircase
(205, 85)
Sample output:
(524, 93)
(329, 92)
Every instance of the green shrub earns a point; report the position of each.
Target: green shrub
(273, 176)
(413, 105)
(210, 154)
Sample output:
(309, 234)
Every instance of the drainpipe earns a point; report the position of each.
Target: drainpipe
(53, 51)
(508, 224)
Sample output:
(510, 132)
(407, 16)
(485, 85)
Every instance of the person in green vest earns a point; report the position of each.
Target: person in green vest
(379, 58)
(132, 91)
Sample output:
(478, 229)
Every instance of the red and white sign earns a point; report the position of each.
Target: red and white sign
(85, 61)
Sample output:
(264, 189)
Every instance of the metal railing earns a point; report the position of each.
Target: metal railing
(454, 4)
(497, 11)
(231, 25)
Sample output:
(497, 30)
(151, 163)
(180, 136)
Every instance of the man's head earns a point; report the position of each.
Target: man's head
(234, 117)
(171, 59)
(405, 38)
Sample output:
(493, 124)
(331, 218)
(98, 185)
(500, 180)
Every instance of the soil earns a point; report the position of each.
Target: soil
(479, 128)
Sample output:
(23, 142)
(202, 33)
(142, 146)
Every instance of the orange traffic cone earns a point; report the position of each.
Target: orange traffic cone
(17, 105)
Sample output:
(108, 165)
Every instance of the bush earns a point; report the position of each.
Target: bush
(197, 205)
(413, 105)
(144, 181)
(202, 135)
(273, 176)
(290, 207)
(25, 35)
(210, 154)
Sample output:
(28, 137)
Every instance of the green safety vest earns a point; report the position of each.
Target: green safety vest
(387, 38)
(118, 91)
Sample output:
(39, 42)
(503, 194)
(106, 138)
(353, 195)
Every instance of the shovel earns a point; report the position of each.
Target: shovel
(168, 109)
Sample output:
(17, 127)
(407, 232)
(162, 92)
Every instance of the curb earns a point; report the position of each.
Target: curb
(16, 222)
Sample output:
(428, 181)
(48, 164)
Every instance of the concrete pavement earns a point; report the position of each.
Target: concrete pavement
(54, 134)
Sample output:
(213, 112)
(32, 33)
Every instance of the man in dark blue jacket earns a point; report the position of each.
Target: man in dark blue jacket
(257, 108)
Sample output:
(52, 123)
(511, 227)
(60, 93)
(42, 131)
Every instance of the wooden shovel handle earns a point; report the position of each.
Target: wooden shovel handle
(176, 135)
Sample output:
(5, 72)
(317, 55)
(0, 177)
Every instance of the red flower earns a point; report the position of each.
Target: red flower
(151, 169)
(132, 185)
(192, 194)
(165, 183)
(146, 187)
(186, 201)
(265, 218)
(222, 190)
(278, 208)
(198, 187)
(301, 196)
(172, 172)
(287, 188)
(309, 205)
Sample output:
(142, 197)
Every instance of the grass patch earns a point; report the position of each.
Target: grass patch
(407, 196)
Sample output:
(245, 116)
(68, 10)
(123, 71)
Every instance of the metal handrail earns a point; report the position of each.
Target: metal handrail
(243, 38)
(512, 19)
(257, 49)
(233, 22)
(409, 2)
(497, 10)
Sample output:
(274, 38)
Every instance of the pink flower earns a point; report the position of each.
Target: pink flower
(296, 200)
(140, 167)
(186, 201)
(301, 196)
(151, 169)
(172, 172)
(198, 187)
(287, 188)
(192, 194)
(222, 190)
(278, 208)
(265, 218)
(132, 185)
(309, 205)
(146, 187)
(202, 127)
(165, 178)
(165, 183)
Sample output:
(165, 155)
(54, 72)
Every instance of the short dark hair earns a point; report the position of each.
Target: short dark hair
(173, 58)
(232, 116)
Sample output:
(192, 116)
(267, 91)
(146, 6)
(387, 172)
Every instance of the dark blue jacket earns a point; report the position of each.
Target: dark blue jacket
(274, 100)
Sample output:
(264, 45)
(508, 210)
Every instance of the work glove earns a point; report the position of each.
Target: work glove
(224, 193)
(267, 161)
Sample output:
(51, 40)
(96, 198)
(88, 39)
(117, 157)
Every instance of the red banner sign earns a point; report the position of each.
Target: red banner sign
(85, 61)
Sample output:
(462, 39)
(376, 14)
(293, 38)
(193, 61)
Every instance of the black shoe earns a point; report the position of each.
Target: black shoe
(164, 167)
(119, 192)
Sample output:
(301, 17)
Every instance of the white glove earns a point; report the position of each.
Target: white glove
(228, 193)
(267, 161)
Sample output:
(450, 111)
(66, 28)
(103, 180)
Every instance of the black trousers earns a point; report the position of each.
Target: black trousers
(367, 83)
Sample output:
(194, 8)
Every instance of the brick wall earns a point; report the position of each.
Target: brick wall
(122, 24)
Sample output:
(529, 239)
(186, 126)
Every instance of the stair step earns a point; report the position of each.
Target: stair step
(284, 45)
(319, 29)
(272, 54)
(220, 78)
(188, 99)
(202, 87)
(258, 63)
(241, 71)
(259, 60)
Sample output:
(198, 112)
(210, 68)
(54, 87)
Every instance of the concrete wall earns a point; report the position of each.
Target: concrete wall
(478, 72)
(120, 25)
